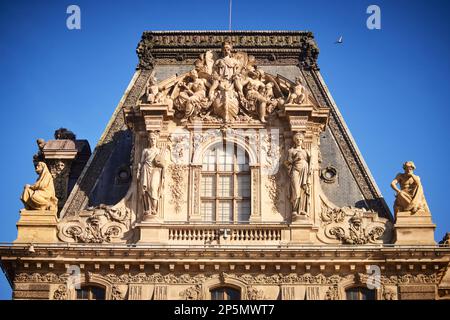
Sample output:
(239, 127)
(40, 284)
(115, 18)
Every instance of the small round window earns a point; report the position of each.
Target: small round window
(329, 174)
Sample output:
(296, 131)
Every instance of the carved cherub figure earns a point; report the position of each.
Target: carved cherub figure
(298, 94)
(155, 94)
(152, 90)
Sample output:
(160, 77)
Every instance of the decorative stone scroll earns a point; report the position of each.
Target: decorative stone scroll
(350, 225)
(99, 224)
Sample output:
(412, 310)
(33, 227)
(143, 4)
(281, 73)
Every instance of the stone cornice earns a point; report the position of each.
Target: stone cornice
(300, 253)
(16, 259)
(279, 47)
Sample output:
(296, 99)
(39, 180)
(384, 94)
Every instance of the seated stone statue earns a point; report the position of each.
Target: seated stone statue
(410, 196)
(41, 195)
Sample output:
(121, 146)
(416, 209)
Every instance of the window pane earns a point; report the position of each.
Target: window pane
(225, 186)
(233, 294)
(243, 211)
(242, 160)
(209, 160)
(225, 162)
(217, 183)
(208, 186)
(98, 293)
(352, 294)
(82, 294)
(207, 210)
(224, 212)
(360, 294)
(217, 295)
(225, 294)
(367, 294)
(243, 186)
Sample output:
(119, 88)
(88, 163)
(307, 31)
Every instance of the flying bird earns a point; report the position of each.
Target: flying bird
(339, 40)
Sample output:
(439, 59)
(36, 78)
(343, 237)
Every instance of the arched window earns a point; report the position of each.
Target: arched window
(225, 293)
(360, 293)
(225, 184)
(90, 293)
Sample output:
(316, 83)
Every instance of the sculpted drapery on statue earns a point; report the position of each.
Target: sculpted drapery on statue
(410, 196)
(41, 195)
(150, 175)
(227, 66)
(298, 165)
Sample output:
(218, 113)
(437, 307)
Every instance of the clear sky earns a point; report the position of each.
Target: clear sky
(391, 85)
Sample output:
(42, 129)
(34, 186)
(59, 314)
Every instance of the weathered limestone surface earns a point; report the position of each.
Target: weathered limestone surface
(304, 220)
(37, 226)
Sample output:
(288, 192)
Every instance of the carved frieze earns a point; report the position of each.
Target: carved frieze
(269, 47)
(39, 277)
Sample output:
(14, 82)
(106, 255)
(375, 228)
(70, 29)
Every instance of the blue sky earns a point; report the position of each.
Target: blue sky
(391, 85)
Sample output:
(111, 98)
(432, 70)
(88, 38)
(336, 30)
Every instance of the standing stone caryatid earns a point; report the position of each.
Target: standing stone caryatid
(298, 165)
(410, 196)
(41, 195)
(150, 175)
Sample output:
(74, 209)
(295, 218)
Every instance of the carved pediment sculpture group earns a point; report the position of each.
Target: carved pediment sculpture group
(227, 87)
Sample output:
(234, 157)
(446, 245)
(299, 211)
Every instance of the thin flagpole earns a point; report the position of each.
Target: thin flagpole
(229, 21)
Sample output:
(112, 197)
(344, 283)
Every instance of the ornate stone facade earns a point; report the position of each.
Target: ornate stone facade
(215, 173)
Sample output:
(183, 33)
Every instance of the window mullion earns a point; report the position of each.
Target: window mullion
(235, 185)
(216, 195)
